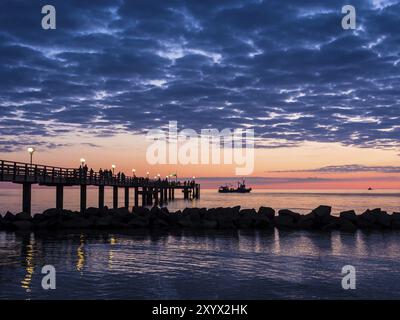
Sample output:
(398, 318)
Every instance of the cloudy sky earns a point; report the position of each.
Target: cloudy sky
(316, 95)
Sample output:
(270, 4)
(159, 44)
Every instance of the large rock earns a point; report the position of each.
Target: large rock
(384, 219)
(246, 218)
(289, 213)
(9, 217)
(22, 224)
(307, 221)
(322, 211)
(349, 215)
(185, 222)
(262, 222)
(209, 224)
(141, 211)
(370, 216)
(396, 220)
(347, 225)
(104, 222)
(267, 211)
(23, 216)
(139, 222)
(52, 213)
(92, 212)
(79, 223)
(284, 221)
(333, 223)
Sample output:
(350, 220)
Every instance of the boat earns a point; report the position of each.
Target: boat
(241, 188)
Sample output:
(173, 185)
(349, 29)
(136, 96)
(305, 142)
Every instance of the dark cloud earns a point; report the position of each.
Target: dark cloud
(285, 68)
(351, 168)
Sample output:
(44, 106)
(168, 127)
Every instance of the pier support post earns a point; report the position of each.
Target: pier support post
(136, 196)
(162, 199)
(26, 197)
(115, 197)
(173, 193)
(149, 197)
(59, 196)
(185, 193)
(165, 190)
(101, 197)
(169, 193)
(83, 197)
(144, 196)
(127, 197)
(155, 192)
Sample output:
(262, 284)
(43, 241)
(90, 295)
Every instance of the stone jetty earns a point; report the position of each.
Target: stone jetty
(200, 218)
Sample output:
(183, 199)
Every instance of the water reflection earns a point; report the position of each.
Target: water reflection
(143, 264)
(111, 252)
(81, 254)
(28, 254)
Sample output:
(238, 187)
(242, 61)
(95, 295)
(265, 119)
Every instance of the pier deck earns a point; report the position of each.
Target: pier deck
(151, 191)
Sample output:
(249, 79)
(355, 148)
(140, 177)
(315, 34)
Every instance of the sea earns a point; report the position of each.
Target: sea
(200, 264)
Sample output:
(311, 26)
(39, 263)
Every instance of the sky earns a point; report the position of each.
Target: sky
(323, 101)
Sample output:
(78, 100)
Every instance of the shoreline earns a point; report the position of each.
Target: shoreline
(200, 218)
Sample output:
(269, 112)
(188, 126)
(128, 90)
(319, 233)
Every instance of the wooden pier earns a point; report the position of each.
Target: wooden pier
(147, 192)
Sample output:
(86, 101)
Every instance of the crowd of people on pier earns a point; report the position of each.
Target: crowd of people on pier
(108, 175)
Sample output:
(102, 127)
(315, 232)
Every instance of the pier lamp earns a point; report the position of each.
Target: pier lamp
(113, 166)
(83, 161)
(147, 174)
(194, 177)
(31, 151)
(134, 172)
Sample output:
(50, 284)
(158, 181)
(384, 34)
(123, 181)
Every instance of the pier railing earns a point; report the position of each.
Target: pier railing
(150, 189)
(20, 172)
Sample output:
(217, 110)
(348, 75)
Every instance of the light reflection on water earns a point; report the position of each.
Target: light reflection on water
(144, 264)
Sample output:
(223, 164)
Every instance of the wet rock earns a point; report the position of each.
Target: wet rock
(92, 211)
(9, 217)
(322, 211)
(347, 225)
(209, 224)
(23, 216)
(104, 222)
(52, 213)
(262, 222)
(349, 215)
(185, 222)
(22, 224)
(246, 218)
(384, 219)
(307, 221)
(289, 213)
(370, 215)
(139, 222)
(122, 212)
(267, 211)
(284, 221)
(141, 211)
(395, 220)
(78, 223)
(334, 223)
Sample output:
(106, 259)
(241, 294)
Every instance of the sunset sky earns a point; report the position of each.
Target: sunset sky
(323, 101)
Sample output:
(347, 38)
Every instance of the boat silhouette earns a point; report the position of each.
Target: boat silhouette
(241, 188)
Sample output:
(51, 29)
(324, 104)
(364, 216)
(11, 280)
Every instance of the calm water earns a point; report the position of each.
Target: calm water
(211, 265)
(301, 201)
(143, 264)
